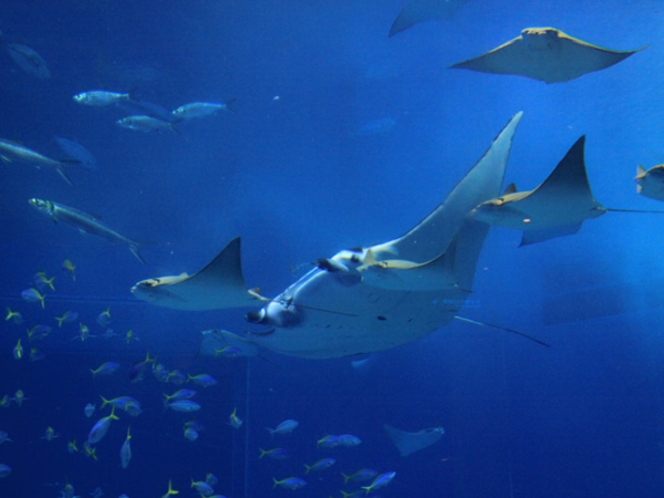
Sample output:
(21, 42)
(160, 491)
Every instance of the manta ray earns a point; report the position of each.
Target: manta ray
(557, 207)
(650, 182)
(370, 299)
(423, 10)
(410, 442)
(545, 54)
(360, 300)
(218, 285)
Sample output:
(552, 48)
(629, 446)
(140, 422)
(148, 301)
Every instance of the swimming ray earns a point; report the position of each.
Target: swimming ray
(557, 207)
(340, 309)
(410, 442)
(218, 285)
(423, 10)
(650, 182)
(545, 54)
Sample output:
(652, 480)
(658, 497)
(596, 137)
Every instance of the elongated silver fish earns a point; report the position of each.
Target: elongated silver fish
(84, 222)
(145, 124)
(22, 153)
(100, 98)
(201, 109)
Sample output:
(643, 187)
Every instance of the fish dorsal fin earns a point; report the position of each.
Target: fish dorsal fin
(510, 189)
(569, 178)
(640, 171)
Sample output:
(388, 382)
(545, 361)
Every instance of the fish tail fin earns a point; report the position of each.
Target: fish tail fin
(263, 453)
(276, 483)
(346, 478)
(59, 319)
(133, 247)
(230, 105)
(308, 467)
(42, 297)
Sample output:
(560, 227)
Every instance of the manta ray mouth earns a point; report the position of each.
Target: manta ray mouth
(258, 316)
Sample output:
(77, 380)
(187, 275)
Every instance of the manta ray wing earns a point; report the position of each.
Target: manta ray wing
(331, 311)
(218, 285)
(423, 10)
(565, 197)
(431, 236)
(410, 442)
(545, 54)
(535, 236)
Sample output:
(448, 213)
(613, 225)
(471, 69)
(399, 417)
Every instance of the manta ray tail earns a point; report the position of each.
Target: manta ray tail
(133, 247)
(506, 329)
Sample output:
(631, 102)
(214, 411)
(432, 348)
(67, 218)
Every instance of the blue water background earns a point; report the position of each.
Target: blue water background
(290, 173)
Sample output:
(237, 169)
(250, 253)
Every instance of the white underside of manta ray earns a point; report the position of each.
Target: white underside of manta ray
(363, 300)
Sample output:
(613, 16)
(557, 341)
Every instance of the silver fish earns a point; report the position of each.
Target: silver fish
(145, 108)
(84, 222)
(27, 155)
(201, 109)
(100, 98)
(145, 124)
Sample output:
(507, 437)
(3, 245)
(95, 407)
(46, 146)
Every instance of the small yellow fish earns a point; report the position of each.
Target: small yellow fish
(129, 336)
(90, 452)
(170, 491)
(38, 332)
(84, 332)
(36, 354)
(32, 295)
(70, 268)
(5, 401)
(104, 318)
(234, 420)
(49, 434)
(15, 316)
(19, 397)
(71, 447)
(41, 280)
(18, 350)
(67, 316)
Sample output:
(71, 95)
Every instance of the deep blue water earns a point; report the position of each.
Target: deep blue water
(342, 137)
